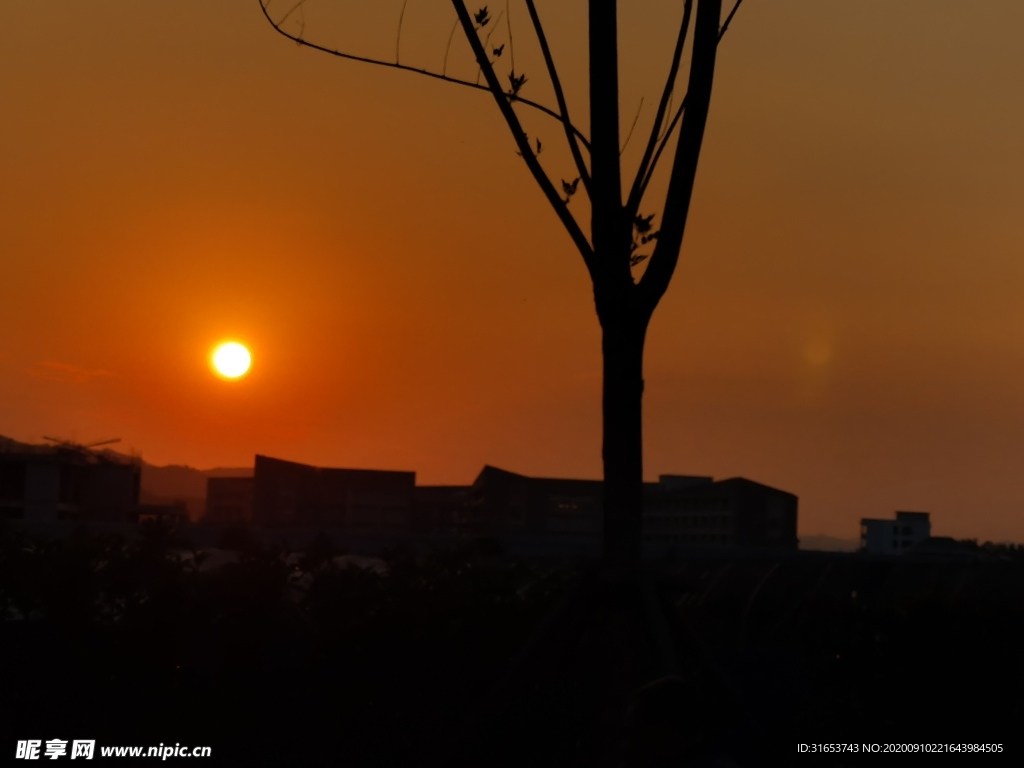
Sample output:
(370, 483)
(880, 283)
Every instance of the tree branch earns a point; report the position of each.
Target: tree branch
(636, 191)
(574, 146)
(728, 19)
(418, 70)
(679, 113)
(504, 102)
(663, 261)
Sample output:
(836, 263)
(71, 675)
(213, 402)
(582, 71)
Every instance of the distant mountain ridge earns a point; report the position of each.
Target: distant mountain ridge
(176, 483)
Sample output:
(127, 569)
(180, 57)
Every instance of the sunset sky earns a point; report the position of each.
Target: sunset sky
(847, 321)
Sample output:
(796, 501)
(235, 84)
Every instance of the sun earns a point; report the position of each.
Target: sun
(231, 360)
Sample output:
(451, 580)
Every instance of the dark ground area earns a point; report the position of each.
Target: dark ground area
(467, 658)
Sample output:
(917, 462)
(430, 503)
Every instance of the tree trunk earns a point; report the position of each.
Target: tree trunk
(622, 451)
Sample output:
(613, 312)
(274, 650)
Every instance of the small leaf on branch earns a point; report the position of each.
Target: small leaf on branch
(482, 16)
(497, 51)
(648, 238)
(634, 260)
(517, 82)
(642, 224)
(538, 146)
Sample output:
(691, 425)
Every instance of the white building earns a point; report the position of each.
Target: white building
(894, 537)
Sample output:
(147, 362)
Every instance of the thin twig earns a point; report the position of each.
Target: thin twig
(417, 70)
(487, 44)
(290, 10)
(646, 163)
(511, 45)
(678, 115)
(448, 48)
(563, 107)
(664, 127)
(662, 263)
(523, 143)
(398, 42)
(661, 148)
(635, 118)
(494, 28)
(728, 19)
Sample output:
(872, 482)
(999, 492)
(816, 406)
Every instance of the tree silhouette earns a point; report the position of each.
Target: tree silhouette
(621, 236)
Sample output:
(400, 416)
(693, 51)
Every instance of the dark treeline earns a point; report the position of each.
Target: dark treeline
(303, 661)
(1002, 551)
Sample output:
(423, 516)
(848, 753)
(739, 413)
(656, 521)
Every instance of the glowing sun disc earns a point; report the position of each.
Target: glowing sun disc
(231, 360)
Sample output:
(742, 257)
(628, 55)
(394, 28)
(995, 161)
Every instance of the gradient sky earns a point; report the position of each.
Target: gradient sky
(847, 322)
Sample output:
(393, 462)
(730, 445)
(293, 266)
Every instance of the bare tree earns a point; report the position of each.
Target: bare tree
(621, 237)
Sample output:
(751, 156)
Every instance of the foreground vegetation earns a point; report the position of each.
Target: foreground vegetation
(281, 658)
(130, 642)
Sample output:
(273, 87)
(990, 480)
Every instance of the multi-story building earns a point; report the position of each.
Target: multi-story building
(700, 512)
(174, 513)
(40, 483)
(288, 494)
(502, 503)
(691, 511)
(894, 537)
(229, 500)
(679, 511)
(438, 509)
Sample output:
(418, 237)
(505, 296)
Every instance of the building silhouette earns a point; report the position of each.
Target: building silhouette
(527, 514)
(288, 494)
(679, 511)
(688, 511)
(174, 513)
(229, 500)
(438, 510)
(501, 503)
(894, 537)
(40, 483)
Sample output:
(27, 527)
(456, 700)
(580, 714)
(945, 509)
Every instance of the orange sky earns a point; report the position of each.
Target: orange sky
(846, 323)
